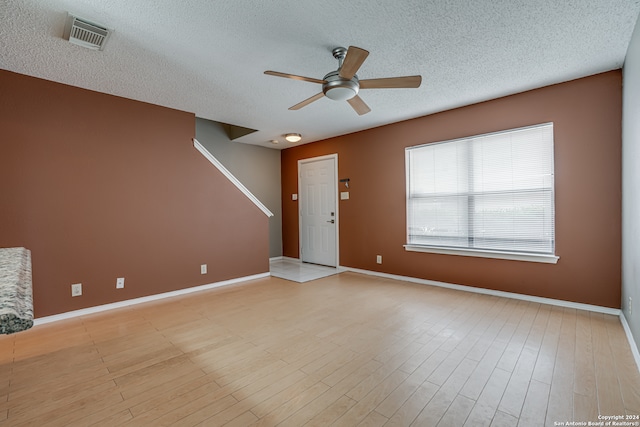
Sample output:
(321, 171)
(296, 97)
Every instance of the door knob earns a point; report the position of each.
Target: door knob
(332, 221)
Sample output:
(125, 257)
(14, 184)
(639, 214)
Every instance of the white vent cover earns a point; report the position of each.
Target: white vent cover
(86, 34)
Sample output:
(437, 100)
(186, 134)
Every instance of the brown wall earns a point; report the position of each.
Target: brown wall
(587, 124)
(100, 187)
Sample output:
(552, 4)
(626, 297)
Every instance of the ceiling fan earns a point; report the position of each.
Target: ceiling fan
(343, 84)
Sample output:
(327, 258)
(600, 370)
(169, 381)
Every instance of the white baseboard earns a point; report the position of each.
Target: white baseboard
(284, 258)
(513, 295)
(127, 303)
(632, 341)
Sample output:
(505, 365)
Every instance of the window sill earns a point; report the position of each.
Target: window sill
(515, 256)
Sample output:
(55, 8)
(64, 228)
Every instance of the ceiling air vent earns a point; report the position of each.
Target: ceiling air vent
(86, 34)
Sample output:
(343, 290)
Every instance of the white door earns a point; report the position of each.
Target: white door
(318, 216)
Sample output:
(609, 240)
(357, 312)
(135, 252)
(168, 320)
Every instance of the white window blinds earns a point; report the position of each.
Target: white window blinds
(491, 192)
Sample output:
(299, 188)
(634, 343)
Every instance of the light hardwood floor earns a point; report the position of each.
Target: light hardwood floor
(345, 350)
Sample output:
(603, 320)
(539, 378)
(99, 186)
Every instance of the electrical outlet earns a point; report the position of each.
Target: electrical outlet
(120, 283)
(630, 306)
(203, 269)
(379, 259)
(76, 290)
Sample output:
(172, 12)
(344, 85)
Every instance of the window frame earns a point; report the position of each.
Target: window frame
(551, 258)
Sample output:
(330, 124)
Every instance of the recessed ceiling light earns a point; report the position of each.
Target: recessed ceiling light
(293, 137)
(274, 141)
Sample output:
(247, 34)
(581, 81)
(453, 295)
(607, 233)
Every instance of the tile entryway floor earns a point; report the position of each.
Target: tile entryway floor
(296, 271)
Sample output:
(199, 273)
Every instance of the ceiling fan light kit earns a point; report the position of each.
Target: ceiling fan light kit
(343, 84)
(339, 89)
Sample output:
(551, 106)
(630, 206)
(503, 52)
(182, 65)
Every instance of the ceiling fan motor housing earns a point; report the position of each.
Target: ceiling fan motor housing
(338, 88)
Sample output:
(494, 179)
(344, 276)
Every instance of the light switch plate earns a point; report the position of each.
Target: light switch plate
(294, 197)
(344, 195)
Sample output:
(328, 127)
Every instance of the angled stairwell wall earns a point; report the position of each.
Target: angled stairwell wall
(100, 187)
(258, 168)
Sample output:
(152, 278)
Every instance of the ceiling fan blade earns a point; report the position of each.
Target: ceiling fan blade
(294, 77)
(392, 83)
(352, 62)
(307, 101)
(359, 105)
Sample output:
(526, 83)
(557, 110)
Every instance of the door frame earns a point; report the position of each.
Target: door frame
(333, 157)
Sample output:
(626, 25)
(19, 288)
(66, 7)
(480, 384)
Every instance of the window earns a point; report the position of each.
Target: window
(488, 195)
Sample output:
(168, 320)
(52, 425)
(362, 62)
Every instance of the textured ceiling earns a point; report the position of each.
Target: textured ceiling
(208, 56)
